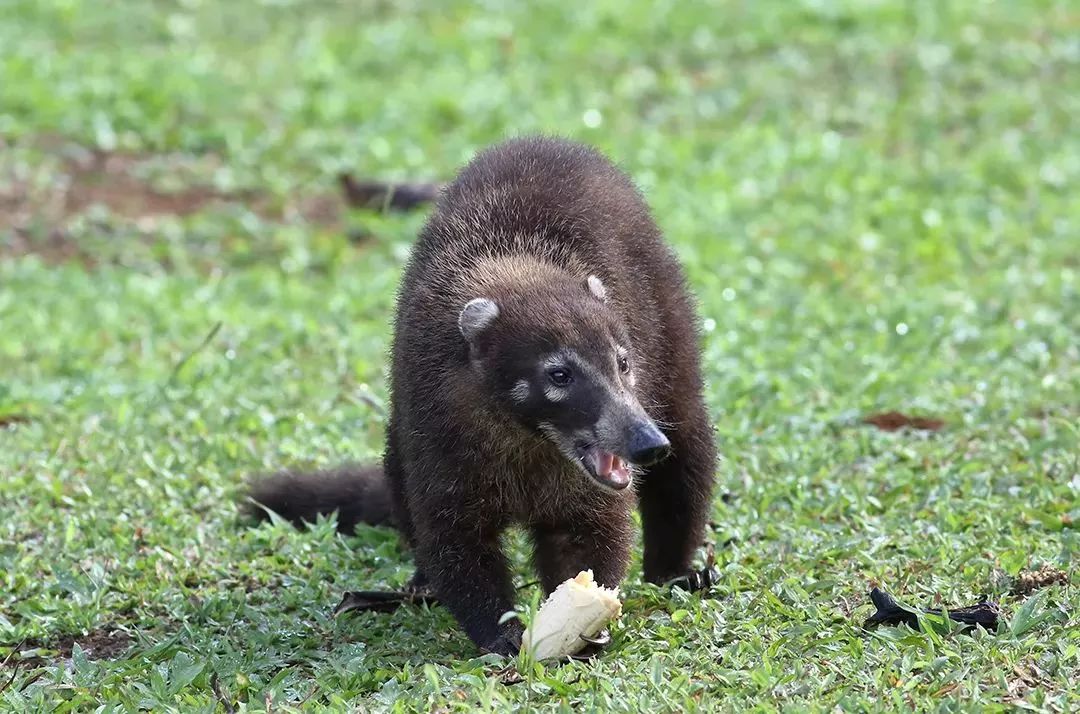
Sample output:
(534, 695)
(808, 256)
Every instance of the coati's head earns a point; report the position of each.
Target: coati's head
(560, 361)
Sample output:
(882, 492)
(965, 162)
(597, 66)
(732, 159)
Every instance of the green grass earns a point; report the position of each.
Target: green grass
(877, 204)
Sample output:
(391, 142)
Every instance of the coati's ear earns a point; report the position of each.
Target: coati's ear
(477, 314)
(596, 287)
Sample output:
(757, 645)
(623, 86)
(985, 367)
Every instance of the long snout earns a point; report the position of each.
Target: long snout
(647, 444)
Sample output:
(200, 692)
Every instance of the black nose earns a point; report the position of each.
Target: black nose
(647, 444)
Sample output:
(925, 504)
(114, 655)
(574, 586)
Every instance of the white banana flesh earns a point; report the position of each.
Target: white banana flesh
(578, 607)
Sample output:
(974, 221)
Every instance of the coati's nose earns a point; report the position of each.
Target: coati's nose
(647, 444)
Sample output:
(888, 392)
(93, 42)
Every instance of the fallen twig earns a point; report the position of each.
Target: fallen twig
(15, 667)
(187, 357)
(369, 193)
(12, 419)
(216, 686)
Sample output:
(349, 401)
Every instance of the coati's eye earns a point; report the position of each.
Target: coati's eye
(560, 376)
(624, 364)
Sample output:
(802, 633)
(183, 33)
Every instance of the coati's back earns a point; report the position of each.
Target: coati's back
(554, 200)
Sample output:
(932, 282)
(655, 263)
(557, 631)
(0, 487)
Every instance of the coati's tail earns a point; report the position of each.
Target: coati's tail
(359, 494)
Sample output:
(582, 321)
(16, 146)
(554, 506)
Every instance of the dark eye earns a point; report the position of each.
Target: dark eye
(560, 376)
(624, 364)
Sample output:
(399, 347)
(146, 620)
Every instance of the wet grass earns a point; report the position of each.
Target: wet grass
(877, 207)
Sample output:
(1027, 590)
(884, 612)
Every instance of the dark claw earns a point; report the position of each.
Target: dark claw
(602, 638)
(594, 647)
(381, 600)
(697, 580)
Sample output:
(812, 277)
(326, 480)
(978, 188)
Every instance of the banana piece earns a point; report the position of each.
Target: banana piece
(577, 607)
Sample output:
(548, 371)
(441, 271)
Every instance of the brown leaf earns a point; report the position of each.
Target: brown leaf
(894, 421)
(38, 217)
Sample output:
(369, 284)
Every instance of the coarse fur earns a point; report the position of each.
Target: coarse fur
(541, 256)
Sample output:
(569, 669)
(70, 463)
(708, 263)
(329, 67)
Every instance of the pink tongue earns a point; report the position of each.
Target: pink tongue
(612, 470)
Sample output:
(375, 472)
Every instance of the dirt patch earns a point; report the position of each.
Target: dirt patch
(36, 211)
(111, 180)
(99, 644)
(1028, 581)
(121, 183)
(894, 421)
(104, 643)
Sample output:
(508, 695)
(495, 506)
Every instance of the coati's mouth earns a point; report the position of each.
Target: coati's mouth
(607, 469)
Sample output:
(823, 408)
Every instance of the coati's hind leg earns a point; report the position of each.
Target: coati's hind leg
(395, 476)
(675, 495)
(563, 550)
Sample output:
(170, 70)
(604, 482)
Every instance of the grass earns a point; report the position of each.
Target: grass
(877, 207)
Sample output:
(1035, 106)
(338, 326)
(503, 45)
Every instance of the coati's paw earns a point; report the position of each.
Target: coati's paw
(419, 585)
(696, 580)
(699, 580)
(508, 643)
(503, 646)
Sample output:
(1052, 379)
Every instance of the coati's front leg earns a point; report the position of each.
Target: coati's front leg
(601, 544)
(675, 495)
(469, 574)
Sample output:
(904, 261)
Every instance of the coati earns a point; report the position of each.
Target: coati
(545, 374)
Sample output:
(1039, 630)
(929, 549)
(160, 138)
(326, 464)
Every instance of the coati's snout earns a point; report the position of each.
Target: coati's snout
(563, 367)
(609, 457)
(647, 444)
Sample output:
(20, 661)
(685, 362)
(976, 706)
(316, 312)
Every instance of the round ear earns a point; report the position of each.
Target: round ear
(596, 287)
(477, 314)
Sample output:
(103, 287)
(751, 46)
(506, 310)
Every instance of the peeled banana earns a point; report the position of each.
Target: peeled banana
(578, 607)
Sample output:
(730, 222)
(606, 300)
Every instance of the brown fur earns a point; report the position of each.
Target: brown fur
(524, 225)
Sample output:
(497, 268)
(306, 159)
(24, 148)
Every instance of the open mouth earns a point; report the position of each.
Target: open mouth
(607, 469)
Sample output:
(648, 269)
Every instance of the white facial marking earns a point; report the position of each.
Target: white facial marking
(553, 361)
(520, 391)
(550, 431)
(596, 287)
(554, 394)
(477, 314)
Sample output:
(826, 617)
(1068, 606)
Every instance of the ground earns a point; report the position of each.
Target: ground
(877, 208)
